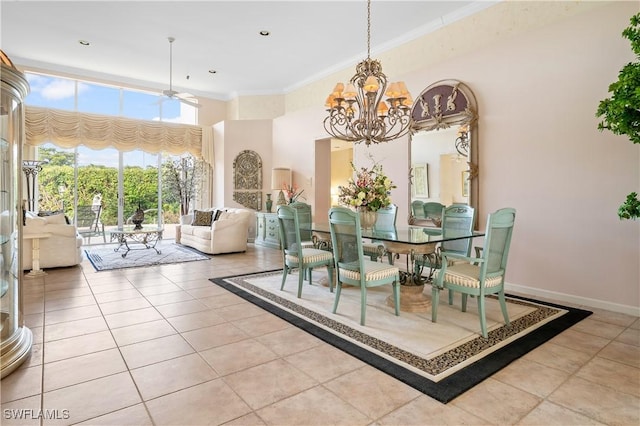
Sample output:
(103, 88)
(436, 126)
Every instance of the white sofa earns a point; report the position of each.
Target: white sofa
(62, 248)
(228, 233)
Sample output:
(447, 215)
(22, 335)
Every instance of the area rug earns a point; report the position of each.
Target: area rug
(442, 359)
(105, 258)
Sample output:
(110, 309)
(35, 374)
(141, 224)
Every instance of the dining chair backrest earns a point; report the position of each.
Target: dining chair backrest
(458, 220)
(304, 219)
(433, 210)
(346, 236)
(289, 230)
(417, 209)
(497, 241)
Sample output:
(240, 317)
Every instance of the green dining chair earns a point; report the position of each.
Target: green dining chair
(385, 224)
(433, 211)
(417, 209)
(457, 220)
(351, 265)
(479, 276)
(304, 220)
(295, 256)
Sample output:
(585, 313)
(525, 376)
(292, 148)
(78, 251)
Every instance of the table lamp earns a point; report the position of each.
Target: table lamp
(279, 177)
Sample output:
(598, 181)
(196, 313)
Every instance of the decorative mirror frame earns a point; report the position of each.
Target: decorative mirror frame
(441, 105)
(247, 179)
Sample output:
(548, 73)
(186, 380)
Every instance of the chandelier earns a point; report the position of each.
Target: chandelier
(357, 112)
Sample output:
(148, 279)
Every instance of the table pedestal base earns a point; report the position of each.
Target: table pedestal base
(412, 299)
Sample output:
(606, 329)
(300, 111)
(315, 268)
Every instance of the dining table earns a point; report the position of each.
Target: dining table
(410, 240)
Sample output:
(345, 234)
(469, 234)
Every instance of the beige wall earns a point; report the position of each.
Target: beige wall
(537, 87)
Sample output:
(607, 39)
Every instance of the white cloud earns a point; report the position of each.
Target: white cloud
(54, 89)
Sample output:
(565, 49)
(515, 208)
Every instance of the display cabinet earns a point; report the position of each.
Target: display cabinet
(15, 338)
(267, 230)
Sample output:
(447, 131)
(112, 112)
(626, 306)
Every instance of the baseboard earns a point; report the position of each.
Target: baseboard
(573, 299)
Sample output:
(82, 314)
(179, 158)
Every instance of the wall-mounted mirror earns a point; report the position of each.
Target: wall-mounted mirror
(443, 154)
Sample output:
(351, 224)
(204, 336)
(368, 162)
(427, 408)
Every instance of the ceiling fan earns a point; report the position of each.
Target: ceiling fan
(185, 98)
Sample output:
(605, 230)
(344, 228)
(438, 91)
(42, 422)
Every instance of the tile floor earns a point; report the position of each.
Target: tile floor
(163, 345)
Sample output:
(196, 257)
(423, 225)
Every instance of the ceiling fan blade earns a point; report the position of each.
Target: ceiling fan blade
(185, 95)
(190, 103)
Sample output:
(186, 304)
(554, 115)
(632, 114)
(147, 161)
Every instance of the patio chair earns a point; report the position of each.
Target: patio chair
(351, 265)
(295, 255)
(479, 276)
(88, 222)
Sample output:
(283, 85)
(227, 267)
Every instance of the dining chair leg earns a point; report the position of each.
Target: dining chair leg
(464, 302)
(483, 318)
(450, 297)
(503, 307)
(337, 299)
(435, 299)
(330, 273)
(396, 296)
(285, 271)
(300, 281)
(363, 303)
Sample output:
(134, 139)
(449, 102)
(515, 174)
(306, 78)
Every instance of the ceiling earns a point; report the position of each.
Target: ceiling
(129, 40)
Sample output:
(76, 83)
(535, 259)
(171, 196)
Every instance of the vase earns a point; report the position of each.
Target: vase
(269, 203)
(138, 218)
(367, 218)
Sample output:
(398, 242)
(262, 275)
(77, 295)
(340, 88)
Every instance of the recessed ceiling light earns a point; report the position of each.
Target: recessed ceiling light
(84, 42)
(264, 33)
(212, 71)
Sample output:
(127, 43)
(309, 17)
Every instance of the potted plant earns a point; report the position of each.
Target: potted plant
(621, 112)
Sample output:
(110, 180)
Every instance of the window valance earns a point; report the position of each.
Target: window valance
(69, 129)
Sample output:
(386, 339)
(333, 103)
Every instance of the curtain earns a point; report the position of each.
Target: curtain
(69, 129)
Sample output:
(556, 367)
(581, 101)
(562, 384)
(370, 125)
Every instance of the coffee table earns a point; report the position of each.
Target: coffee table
(128, 235)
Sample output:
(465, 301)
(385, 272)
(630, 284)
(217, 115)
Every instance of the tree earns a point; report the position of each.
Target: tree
(180, 179)
(621, 112)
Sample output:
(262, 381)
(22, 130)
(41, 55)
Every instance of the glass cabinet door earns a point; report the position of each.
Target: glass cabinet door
(15, 338)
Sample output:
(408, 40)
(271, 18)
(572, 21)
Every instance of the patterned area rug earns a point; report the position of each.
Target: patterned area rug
(441, 359)
(106, 258)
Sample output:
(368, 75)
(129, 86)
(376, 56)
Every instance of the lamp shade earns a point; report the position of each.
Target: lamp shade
(279, 177)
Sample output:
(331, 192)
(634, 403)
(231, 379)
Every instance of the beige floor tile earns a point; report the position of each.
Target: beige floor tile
(68, 303)
(315, 406)
(216, 335)
(65, 330)
(371, 391)
(73, 314)
(558, 356)
(167, 298)
(548, 413)
(622, 352)
(212, 402)
(156, 350)
(23, 412)
(597, 402)
(267, 383)
(611, 317)
(76, 346)
(34, 320)
(209, 290)
(598, 328)
(35, 357)
(225, 360)
(65, 294)
(289, 341)
(158, 289)
(181, 308)
(195, 320)
(249, 419)
(542, 383)
(91, 399)
(325, 362)
(496, 402)
(131, 416)
(187, 282)
(33, 307)
(427, 411)
(83, 368)
(240, 311)
(630, 336)
(114, 296)
(172, 375)
(115, 307)
(583, 342)
(137, 316)
(621, 377)
(222, 300)
(108, 287)
(20, 384)
(264, 323)
(636, 324)
(140, 332)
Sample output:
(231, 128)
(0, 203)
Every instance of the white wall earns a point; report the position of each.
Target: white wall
(539, 147)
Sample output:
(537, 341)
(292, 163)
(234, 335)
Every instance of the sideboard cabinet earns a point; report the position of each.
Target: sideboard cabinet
(267, 230)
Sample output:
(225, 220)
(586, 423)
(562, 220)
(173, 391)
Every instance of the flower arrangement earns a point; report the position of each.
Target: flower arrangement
(370, 189)
(291, 193)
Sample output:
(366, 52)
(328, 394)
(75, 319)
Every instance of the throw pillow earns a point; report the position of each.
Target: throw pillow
(201, 218)
(217, 215)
